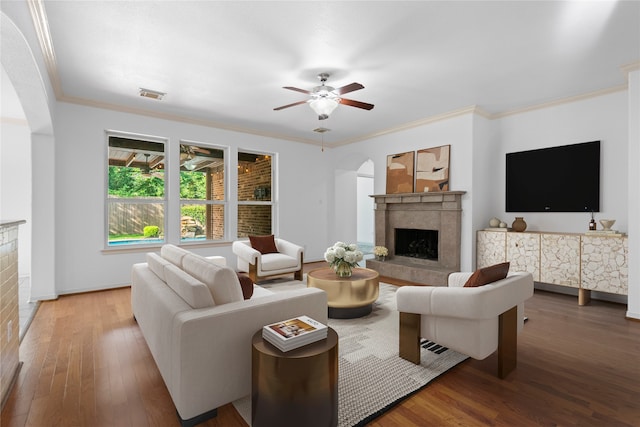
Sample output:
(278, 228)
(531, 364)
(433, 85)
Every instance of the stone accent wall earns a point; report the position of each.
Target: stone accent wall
(440, 211)
(9, 320)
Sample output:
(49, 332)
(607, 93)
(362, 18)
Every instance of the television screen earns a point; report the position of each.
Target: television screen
(556, 179)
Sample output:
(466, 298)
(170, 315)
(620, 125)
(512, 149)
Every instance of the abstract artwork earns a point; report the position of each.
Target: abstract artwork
(432, 169)
(400, 173)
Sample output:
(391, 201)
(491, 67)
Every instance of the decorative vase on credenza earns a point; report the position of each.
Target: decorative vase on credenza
(519, 224)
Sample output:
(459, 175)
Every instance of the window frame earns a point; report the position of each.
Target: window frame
(224, 202)
(273, 200)
(108, 201)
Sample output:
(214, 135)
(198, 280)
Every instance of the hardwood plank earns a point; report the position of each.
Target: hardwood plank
(86, 363)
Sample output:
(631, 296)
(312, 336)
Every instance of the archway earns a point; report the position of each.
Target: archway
(18, 61)
(365, 213)
(348, 195)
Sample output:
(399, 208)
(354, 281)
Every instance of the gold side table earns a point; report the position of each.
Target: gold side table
(297, 387)
(347, 297)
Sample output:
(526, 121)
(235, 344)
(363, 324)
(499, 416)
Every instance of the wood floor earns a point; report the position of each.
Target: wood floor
(86, 364)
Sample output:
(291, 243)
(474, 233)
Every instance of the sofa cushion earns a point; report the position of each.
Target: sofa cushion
(486, 275)
(222, 282)
(194, 292)
(272, 262)
(246, 284)
(156, 264)
(264, 244)
(173, 254)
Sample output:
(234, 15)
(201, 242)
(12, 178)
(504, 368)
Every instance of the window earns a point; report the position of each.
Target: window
(255, 203)
(136, 191)
(202, 193)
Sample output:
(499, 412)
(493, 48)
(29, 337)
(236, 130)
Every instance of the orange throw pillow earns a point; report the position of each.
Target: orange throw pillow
(487, 275)
(264, 244)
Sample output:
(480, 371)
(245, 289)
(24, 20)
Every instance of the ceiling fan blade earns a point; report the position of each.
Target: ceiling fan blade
(297, 89)
(289, 105)
(348, 88)
(357, 104)
(200, 150)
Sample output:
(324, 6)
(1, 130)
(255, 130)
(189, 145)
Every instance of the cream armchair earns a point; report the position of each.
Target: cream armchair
(288, 259)
(474, 321)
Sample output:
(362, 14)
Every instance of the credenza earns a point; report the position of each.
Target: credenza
(588, 262)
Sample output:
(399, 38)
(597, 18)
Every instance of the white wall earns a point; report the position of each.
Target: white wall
(478, 148)
(602, 118)
(81, 159)
(455, 131)
(15, 185)
(15, 169)
(366, 217)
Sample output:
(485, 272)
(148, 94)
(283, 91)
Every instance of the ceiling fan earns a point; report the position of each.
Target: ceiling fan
(324, 99)
(148, 170)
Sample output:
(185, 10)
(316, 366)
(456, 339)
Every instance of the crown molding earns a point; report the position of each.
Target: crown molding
(41, 25)
(14, 121)
(473, 109)
(177, 118)
(561, 101)
(628, 68)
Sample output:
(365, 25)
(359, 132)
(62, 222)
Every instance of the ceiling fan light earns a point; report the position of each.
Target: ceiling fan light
(189, 164)
(323, 106)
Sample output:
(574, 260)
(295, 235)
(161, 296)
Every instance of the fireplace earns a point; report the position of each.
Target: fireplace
(422, 232)
(415, 243)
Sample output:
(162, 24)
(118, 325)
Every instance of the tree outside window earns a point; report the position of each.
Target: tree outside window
(202, 193)
(136, 191)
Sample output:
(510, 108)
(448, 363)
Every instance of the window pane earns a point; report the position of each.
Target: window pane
(254, 177)
(254, 220)
(136, 191)
(136, 168)
(128, 223)
(201, 222)
(201, 173)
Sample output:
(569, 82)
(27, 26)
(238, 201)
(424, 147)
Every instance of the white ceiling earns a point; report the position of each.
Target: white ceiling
(224, 63)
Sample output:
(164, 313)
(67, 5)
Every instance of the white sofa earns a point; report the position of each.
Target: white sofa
(198, 326)
(471, 320)
(288, 259)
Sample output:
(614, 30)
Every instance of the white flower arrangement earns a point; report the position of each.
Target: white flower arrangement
(380, 251)
(340, 252)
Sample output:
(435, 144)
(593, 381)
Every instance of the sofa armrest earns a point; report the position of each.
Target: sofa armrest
(483, 302)
(211, 363)
(244, 251)
(288, 248)
(458, 279)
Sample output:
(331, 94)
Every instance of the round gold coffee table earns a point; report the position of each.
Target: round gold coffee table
(348, 297)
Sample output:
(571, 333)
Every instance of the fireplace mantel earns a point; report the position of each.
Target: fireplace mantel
(440, 211)
(444, 197)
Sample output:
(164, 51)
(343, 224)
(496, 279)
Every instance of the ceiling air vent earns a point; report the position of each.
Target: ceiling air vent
(153, 94)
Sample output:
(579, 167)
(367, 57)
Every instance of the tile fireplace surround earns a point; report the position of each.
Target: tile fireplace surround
(423, 211)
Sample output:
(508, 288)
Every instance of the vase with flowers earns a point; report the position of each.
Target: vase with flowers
(342, 257)
(380, 252)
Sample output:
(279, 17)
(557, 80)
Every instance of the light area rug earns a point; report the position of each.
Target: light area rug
(371, 376)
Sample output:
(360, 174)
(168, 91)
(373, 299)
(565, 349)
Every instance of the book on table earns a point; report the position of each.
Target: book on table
(293, 333)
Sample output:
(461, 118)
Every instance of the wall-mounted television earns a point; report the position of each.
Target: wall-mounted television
(556, 179)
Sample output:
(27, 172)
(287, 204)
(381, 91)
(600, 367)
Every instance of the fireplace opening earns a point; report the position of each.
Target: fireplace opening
(422, 244)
